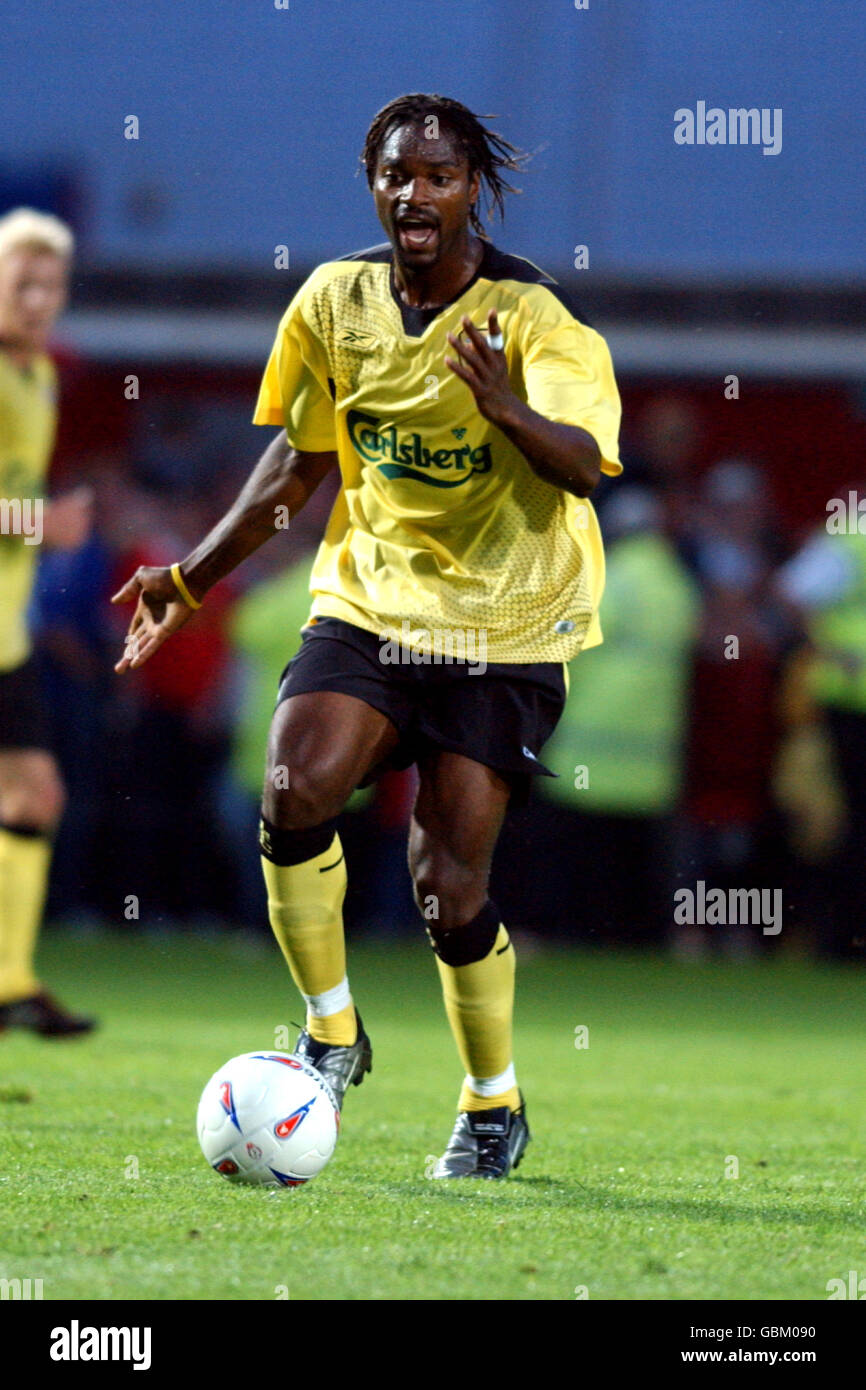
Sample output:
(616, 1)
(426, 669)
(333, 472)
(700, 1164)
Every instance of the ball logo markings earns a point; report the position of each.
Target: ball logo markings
(285, 1181)
(288, 1126)
(227, 1101)
(275, 1057)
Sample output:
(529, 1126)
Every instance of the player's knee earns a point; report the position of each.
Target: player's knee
(470, 942)
(36, 802)
(298, 798)
(447, 891)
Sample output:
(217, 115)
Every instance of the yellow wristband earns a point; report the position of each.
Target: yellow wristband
(182, 589)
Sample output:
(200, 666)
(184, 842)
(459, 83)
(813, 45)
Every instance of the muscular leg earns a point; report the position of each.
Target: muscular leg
(455, 824)
(321, 746)
(456, 821)
(31, 803)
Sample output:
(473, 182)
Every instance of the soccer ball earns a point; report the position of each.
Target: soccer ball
(269, 1119)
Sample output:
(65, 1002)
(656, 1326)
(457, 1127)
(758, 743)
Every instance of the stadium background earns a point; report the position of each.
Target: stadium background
(702, 262)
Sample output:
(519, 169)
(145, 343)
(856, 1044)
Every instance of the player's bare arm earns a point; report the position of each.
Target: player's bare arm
(564, 455)
(283, 478)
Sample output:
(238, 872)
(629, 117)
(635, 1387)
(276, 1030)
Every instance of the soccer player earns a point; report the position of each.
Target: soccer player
(35, 254)
(470, 412)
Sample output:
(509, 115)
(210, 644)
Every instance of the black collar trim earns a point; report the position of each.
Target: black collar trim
(417, 321)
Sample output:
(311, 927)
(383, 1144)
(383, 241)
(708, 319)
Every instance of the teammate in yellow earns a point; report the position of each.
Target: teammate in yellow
(35, 254)
(470, 412)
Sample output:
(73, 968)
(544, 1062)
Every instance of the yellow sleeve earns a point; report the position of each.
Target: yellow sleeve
(569, 378)
(294, 391)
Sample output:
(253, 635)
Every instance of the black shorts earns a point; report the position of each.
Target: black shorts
(24, 721)
(501, 716)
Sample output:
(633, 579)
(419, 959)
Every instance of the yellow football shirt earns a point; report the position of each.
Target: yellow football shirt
(440, 521)
(28, 419)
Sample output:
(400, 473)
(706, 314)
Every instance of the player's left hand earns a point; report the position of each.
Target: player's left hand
(483, 368)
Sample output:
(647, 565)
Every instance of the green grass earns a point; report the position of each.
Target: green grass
(623, 1190)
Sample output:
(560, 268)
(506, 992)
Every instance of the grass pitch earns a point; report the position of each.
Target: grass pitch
(692, 1073)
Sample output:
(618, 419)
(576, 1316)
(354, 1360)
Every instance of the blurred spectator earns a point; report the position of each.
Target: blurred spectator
(662, 454)
(265, 631)
(809, 793)
(733, 530)
(603, 849)
(731, 840)
(166, 764)
(826, 580)
(72, 645)
(171, 456)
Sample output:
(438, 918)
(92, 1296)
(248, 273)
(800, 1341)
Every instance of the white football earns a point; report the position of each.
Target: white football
(267, 1118)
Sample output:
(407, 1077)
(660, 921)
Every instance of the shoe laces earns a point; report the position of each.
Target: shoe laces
(492, 1150)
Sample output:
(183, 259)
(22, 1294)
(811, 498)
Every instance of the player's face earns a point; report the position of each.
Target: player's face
(423, 191)
(33, 289)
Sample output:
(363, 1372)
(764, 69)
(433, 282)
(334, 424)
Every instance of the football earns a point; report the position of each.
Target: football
(269, 1119)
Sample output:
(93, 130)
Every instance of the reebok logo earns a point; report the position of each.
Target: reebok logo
(356, 338)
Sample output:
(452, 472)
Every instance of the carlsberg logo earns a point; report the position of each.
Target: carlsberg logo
(406, 456)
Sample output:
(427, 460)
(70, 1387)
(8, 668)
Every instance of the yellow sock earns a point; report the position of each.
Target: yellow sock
(305, 907)
(479, 1002)
(24, 864)
(470, 1100)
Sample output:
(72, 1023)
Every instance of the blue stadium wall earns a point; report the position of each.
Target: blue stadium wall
(251, 118)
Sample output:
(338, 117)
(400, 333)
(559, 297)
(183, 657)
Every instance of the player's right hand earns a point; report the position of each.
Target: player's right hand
(159, 611)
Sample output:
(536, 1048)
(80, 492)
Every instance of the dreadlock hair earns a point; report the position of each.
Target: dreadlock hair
(485, 151)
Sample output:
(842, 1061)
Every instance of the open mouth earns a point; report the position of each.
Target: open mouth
(416, 236)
